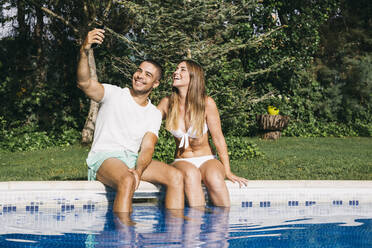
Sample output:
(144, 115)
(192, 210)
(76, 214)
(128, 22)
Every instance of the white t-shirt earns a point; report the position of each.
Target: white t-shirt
(121, 122)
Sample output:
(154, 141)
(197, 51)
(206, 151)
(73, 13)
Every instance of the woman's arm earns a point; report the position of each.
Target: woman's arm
(214, 126)
(163, 106)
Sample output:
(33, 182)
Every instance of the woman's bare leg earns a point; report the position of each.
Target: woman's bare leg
(192, 182)
(213, 176)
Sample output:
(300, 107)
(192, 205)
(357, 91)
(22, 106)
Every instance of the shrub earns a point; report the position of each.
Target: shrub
(29, 138)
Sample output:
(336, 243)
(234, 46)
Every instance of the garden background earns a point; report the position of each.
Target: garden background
(311, 59)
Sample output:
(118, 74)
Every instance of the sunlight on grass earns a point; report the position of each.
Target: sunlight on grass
(309, 158)
(287, 158)
(57, 163)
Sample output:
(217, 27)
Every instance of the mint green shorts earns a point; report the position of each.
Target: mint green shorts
(95, 160)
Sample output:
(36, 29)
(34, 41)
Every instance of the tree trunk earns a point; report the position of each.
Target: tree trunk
(272, 125)
(21, 15)
(90, 122)
(40, 71)
(274, 135)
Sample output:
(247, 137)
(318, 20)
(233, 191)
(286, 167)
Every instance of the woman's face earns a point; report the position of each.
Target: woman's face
(181, 76)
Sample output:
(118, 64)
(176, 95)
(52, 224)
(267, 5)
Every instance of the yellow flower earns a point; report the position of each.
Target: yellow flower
(272, 110)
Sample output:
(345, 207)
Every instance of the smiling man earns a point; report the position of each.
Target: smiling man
(126, 132)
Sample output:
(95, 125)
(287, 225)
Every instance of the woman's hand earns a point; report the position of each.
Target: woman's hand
(136, 177)
(233, 178)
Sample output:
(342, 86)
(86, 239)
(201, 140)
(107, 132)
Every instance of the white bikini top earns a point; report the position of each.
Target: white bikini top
(185, 136)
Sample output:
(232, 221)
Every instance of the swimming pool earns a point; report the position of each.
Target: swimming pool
(267, 214)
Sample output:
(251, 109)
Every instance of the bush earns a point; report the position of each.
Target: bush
(29, 138)
(319, 129)
(241, 149)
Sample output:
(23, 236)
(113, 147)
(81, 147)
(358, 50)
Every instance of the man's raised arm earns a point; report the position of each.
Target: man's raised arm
(90, 85)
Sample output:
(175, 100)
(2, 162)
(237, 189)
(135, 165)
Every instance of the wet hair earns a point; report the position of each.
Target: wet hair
(157, 66)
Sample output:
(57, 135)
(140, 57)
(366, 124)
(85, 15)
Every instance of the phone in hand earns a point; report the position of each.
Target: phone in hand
(94, 45)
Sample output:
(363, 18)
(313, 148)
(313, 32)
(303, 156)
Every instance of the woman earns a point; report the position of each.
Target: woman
(190, 114)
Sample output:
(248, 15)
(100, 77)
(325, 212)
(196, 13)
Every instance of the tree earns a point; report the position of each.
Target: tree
(344, 65)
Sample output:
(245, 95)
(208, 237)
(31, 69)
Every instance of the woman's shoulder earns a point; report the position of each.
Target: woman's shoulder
(164, 101)
(209, 102)
(163, 105)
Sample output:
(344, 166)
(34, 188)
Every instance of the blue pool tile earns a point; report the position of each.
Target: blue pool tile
(265, 204)
(310, 203)
(337, 202)
(292, 203)
(247, 204)
(354, 203)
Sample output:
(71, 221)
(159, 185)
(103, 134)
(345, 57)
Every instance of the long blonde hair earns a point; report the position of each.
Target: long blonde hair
(195, 101)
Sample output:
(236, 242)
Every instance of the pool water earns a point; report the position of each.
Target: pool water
(239, 226)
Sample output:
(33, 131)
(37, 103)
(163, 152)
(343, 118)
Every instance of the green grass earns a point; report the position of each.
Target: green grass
(58, 163)
(284, 159)
(309, 159)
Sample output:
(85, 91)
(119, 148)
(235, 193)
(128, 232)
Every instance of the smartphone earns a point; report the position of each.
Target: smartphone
(94, 45)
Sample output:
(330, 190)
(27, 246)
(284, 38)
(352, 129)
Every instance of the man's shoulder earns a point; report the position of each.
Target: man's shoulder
(115, 87)
(155, 111)
(114, 90)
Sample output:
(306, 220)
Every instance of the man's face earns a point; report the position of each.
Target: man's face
(145, 78)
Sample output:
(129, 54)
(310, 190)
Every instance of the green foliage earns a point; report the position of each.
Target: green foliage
(165, 148)
(319, 129)
(239, 148)
(30, 138)
(316, 55)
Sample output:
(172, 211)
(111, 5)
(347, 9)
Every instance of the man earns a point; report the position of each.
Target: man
(127, 123)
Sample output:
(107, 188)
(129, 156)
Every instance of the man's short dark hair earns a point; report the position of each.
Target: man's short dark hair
(157, 65)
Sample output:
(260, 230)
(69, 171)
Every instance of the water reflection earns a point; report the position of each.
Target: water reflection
(277, 226)
(170, 228)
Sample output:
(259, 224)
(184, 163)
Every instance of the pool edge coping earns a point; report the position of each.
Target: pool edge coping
(149, 187)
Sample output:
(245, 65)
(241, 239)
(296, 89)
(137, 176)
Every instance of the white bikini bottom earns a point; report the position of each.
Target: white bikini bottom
(197, 161)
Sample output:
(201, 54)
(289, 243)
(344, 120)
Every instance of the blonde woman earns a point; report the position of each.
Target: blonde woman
(191, 116)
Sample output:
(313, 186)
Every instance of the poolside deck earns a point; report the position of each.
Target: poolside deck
(257, 193)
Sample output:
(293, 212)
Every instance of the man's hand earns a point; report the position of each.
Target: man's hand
(94, 36)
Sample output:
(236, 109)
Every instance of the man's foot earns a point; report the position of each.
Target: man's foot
(123, 218)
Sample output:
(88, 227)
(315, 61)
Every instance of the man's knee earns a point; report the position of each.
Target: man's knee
(126, 182)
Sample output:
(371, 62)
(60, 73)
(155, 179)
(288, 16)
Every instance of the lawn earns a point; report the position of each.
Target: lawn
(292, 158)
(285, 159)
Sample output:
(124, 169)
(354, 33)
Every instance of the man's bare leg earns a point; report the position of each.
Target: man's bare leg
(115, 174)
(158, 172)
